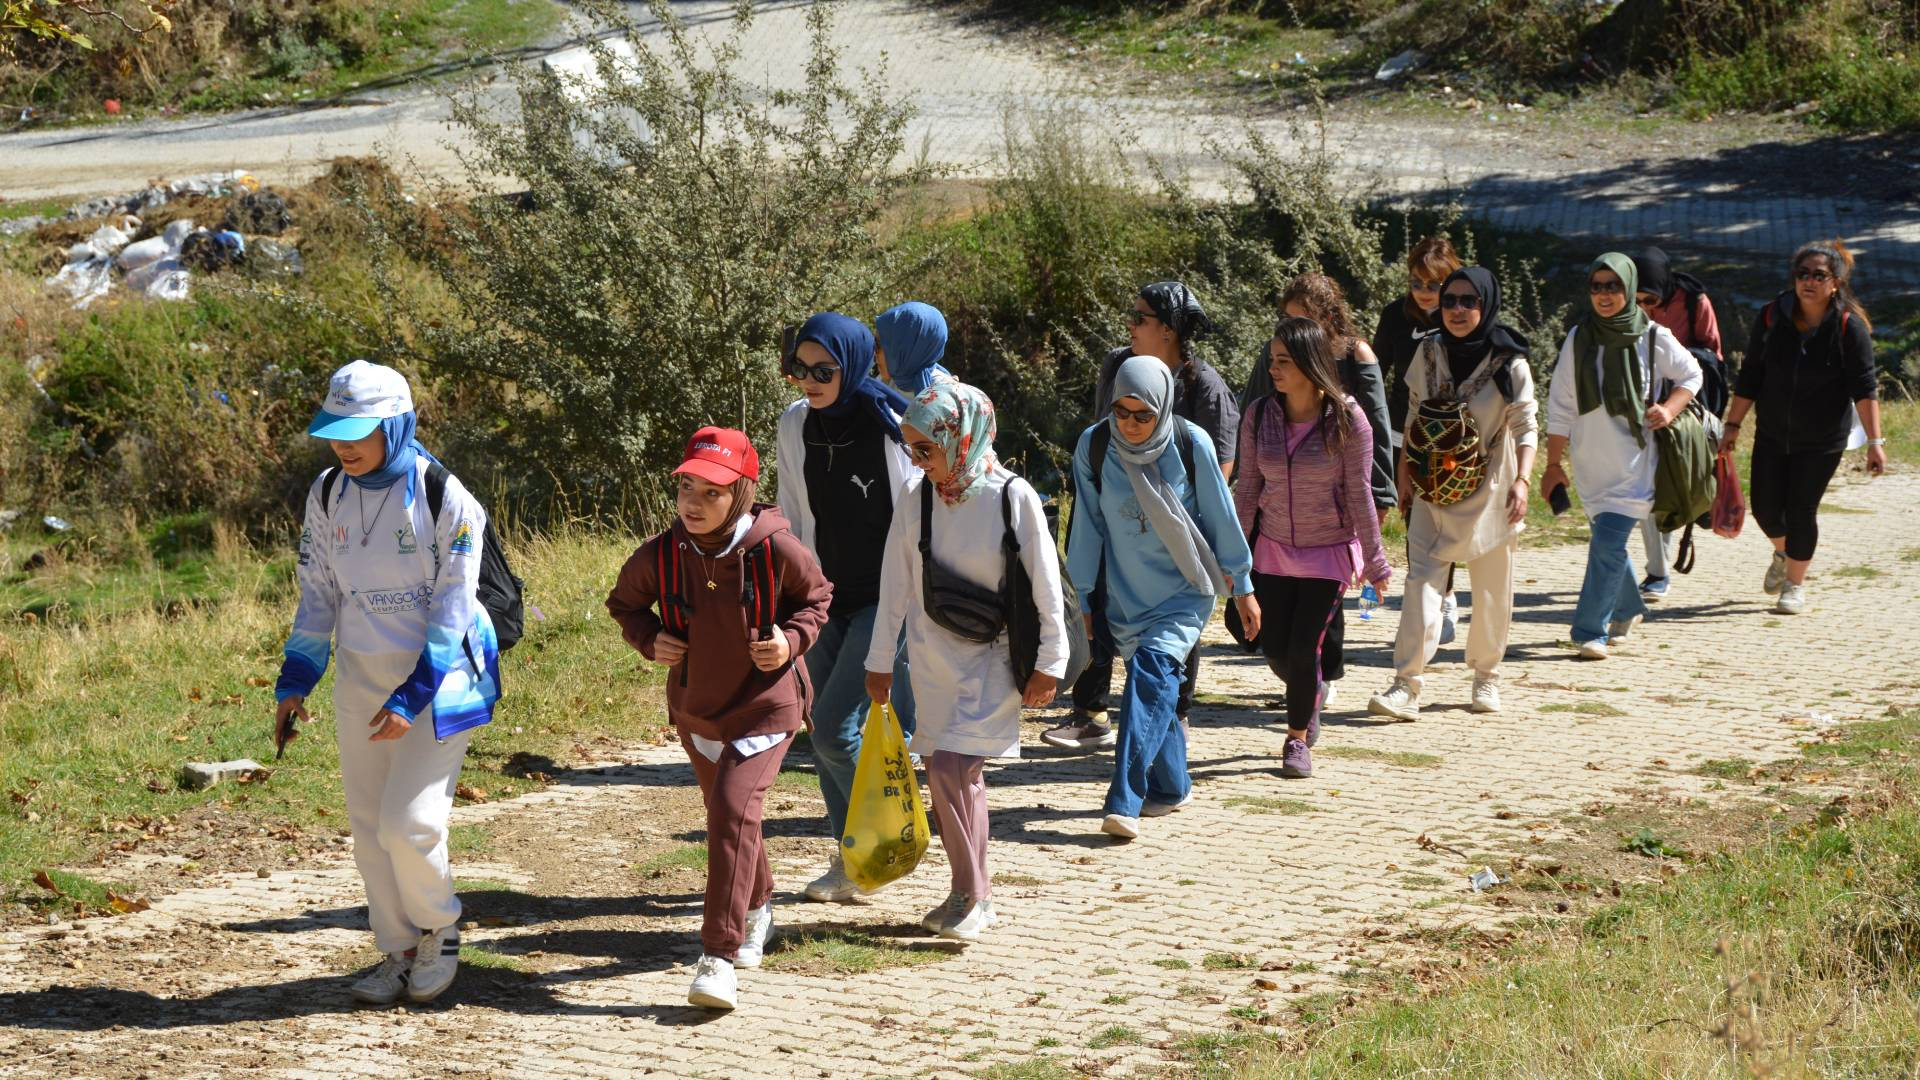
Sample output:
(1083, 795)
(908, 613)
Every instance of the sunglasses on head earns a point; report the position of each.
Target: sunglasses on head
(797, 370)
(1463, 301)
(1812, 275)
(1138, 416)
(1603, 288)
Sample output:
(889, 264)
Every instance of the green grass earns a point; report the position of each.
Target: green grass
(474, 885)
(1911, 554)
(1114, 1035)
(1021, 880)
(1221, 961)
(468, 840)
(1106, 970)
(446, 32)
(689, 857)
(1406, 759)
(797, 781)
(11, 209)
(1173, 964)
(1725, 768)
(481, 957)
(1584, 708)
(99, 709)
(1861, 571)
(845, 952)
(1261, 804)
(1794, 957)
(1116, 999)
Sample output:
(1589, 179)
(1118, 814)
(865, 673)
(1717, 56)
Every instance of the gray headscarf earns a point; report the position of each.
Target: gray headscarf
(1147, 378)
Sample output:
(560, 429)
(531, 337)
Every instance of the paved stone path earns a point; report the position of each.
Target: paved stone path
(1625, 188)
(1097, 934)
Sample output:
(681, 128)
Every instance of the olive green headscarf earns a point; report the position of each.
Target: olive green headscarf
(1616, 384)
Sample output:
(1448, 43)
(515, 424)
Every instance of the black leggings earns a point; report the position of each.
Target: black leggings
(1294, 616)
(1787, 488)
(1091, 690)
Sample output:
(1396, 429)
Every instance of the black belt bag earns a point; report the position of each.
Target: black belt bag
(961, 607)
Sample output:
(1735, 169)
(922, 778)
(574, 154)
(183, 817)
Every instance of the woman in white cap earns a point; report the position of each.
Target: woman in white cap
(389, 569)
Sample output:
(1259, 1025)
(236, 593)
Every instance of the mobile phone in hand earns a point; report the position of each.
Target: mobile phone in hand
(1557, 498)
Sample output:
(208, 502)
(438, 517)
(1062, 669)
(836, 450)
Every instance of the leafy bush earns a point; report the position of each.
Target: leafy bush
(674, 221)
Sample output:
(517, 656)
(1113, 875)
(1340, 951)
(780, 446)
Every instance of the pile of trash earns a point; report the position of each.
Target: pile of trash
(160, 266)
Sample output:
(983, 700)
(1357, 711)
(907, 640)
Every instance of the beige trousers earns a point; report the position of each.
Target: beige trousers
(1491, 583)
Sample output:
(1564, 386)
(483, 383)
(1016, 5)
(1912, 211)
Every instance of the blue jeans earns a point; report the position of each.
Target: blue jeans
(837, 666)
(1610, 594)
(1150, 756)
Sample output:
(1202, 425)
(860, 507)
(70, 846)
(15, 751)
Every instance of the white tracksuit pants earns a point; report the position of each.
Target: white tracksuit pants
(399, 797)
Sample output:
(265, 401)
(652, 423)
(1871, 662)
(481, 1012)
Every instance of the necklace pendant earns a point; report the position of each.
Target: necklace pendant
(711, 585)
(363, 541)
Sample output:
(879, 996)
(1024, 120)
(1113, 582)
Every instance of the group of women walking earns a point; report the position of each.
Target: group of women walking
(880, 569)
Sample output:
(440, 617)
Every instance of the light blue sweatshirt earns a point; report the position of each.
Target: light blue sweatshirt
(1149, 603)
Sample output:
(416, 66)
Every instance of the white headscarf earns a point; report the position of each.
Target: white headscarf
(1147, 378)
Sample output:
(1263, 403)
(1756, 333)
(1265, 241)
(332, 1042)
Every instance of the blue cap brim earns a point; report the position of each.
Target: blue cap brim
(326, 425)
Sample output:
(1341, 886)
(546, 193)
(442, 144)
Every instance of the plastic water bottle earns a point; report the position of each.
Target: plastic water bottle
(1369, 599)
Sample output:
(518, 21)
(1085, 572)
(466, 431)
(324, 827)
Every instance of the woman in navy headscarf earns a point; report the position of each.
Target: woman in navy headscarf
(842, 463)
(913, 340)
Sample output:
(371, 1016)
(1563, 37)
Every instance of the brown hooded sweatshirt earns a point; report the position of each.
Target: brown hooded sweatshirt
(717, 692)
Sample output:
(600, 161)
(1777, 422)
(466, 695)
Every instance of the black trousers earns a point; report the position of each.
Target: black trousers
(1091, 690)
(1295, 617)
(1787, 488)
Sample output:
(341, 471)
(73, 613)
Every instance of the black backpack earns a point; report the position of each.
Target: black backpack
(499, 591)
(759, 589)
(1103, 438)
(1023, 615)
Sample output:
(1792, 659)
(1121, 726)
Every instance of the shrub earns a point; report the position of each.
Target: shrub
(674, 221)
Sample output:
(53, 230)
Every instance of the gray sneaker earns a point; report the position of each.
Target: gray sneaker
(1776, 574)
(1793, 599)
(385, 984)
(977, 917)
(1296, 761)
(950, 911)
(1622, 629)
(1084, 734)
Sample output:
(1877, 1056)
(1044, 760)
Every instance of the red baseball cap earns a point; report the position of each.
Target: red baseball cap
(720, 456)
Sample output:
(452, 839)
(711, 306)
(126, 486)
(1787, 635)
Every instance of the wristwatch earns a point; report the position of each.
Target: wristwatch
(1876, 442)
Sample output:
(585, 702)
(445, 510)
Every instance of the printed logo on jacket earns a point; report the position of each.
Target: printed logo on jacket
(395, 601)
(462, 542)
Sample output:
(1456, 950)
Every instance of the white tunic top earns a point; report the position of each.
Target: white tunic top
(1613, 473)
(963, 691)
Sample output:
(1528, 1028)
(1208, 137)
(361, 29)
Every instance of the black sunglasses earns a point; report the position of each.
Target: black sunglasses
(1602, 288)
(1136, 317)
(1812, 275)
(794, 369)
(1138, 416)
(1463, 301)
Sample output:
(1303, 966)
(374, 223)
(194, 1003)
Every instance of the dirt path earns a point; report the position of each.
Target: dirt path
(1109, 952)
(1746, 188)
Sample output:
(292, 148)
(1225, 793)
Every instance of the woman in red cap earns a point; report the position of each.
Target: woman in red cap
(728, 599)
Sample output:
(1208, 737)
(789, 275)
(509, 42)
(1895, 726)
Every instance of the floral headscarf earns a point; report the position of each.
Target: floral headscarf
(959, 419)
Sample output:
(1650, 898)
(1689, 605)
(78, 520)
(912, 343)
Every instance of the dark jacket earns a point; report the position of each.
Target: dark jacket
(1801, 387)
(1363, 382)
(1199, 395)
(723, 695)
(1395, 342)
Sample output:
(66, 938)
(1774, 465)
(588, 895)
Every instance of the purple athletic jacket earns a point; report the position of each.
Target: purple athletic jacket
(1311, 498)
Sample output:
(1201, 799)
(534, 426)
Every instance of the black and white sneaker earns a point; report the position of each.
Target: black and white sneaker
(436, 964)
(385, 983)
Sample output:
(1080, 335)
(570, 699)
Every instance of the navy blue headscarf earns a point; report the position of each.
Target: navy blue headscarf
(402, 450)
(850, 344)
(915, 337)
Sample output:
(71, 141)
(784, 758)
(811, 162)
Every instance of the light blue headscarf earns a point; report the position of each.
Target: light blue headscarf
(402, 450)
(1148, 379)
(915, 338)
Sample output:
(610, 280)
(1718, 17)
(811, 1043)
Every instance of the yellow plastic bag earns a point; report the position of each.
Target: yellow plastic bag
(886, 822)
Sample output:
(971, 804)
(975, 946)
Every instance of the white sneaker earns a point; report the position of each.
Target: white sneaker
(435, 965)
(759, 929)
(384, 984)
(1776, 578)
(834, 886)
(978, 917)
(950, 911)
(1333, 690)
(1122, 826)
(1486, 696)
(1449, 619)
(1593, 650)
(1160, 809)
(1401, 702)
(714, 984)
(1621, 629)
(1793, 599)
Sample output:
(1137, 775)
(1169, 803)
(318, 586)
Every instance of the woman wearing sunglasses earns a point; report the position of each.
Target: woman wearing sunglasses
(1810, 357)
(1165, 546)
(1598, 406)
(1166, 318)
(1480, 363)
(842, 464)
